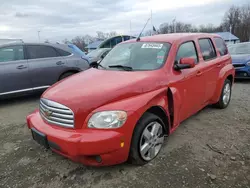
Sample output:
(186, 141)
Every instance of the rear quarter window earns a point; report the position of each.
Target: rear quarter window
(221, 46)
(207, 49)
(63, 52)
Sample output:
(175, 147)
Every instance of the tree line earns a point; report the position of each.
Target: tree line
(236, 19)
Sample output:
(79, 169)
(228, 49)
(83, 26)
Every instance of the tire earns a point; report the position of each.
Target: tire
(145, 124)
(225, 96)
(65, 75)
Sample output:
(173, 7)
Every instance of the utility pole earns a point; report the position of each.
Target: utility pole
(38, 33)
(174, 25)
(230, 31)
(152, 23)
(130, 30)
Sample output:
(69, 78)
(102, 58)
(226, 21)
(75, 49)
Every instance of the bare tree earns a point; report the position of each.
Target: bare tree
(102, 35)
(79, 42)
(238, 17)
(65, 41)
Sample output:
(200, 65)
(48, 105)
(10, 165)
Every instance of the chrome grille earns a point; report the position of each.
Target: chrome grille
(56, 113)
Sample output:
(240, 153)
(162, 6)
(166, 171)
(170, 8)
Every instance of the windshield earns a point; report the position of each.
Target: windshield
(137, 56)
(96, 53)
(239, 49)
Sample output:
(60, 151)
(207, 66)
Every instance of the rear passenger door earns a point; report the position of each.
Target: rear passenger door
(211, 66)
(46, 65)
(14, 75)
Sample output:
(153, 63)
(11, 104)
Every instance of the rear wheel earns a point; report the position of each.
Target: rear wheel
(65, 75)
(225, 95)
(147, 141)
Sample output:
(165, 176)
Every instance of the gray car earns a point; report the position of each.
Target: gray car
(28, 67)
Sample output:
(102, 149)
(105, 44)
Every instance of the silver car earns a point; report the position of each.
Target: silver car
(28, 67)
(98, 54)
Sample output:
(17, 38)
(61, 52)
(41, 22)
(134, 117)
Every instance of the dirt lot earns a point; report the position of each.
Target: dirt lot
(210, 149)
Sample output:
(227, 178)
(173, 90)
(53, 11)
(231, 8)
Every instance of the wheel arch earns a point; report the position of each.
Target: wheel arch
(162, 114)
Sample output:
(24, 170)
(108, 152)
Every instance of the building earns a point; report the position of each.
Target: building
(228, 37)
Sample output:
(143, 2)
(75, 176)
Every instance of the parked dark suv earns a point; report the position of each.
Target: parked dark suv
(26, 67)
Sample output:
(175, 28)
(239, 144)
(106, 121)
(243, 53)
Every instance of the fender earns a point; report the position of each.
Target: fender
(139, 104)
(224, 73)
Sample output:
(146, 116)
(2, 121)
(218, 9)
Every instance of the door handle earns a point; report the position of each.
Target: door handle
(21, 67)
(199, 73)
(59, 63)
(219, 65)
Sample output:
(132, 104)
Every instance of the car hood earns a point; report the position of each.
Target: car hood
(93, 59)
(88, 90)
(240, 59)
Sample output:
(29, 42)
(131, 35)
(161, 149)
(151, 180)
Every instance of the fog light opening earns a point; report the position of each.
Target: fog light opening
(98, 158)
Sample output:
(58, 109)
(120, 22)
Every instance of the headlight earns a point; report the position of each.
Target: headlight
(107, 119)
(248, 63)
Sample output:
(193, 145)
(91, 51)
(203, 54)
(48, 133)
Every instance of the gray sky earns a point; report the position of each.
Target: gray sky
(60, 19)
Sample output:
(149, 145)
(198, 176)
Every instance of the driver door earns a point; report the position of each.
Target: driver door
(192, 86)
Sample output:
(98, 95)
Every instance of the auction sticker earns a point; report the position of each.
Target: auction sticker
(152, 45)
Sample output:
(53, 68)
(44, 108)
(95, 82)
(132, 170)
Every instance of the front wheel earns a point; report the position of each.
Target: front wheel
(147, 140)
(225, 95)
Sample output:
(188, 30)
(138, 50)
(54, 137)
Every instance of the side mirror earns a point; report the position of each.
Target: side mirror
(94, 64)
(185, 63)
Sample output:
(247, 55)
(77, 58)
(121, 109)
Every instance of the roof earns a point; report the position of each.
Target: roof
(172, 37)
(94, 44)
(227, 36)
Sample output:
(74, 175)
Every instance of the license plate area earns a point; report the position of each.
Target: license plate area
(40, 138)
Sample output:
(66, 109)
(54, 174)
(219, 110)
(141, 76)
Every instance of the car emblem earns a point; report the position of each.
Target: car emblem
(48, 113)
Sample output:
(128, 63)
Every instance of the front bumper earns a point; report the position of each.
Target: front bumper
(242, 72)
(88, 146)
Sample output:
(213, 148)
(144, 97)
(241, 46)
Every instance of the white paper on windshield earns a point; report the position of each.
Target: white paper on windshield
(152, 45)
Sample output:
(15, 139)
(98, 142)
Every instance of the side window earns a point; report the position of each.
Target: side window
(220, 44)
(62, 52)
(187, 50)
(11, 53)
(207, 49)
(40, 51)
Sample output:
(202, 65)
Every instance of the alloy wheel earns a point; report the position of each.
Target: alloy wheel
(226, 94)
(151, 141)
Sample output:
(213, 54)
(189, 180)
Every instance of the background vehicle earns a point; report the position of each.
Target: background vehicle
(27, 67)
(241, 59)
(149, 86)
(98, 54)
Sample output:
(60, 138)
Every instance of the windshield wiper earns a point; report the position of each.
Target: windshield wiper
(126, 68)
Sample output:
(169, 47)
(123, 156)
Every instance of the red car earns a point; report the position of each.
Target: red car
(139, 93)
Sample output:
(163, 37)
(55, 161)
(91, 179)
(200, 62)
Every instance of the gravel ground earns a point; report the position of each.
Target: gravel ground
(210, 149)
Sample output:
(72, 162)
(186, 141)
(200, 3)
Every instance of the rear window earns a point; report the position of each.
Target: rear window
(76, 50)
(40, 51)
(220, 44)
(207, 49)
